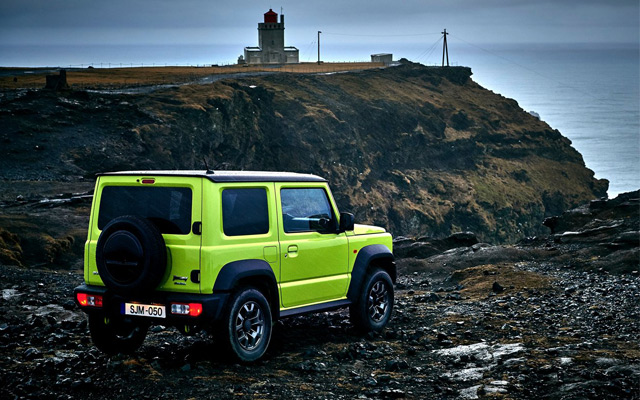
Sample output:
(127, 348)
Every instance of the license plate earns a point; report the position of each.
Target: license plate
(146, 310)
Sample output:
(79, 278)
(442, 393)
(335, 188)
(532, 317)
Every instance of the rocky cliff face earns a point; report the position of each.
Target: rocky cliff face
(420, 151)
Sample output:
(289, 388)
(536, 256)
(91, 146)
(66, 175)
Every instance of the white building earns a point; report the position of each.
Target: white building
(271, 48)
(384, 58)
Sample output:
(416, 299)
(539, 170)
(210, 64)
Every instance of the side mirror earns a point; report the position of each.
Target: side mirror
(347, 220)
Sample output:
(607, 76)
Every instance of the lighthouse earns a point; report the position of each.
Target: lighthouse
(271, 48)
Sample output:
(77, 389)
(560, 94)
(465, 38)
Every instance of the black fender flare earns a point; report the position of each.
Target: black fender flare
(366, 255)
(253, 269)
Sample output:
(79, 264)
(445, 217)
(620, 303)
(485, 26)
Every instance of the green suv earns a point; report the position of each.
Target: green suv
(228, 252)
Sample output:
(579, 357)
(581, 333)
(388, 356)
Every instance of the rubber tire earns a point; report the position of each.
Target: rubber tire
(152, 262)
(359, 312)
(227, 333)
(113, 337)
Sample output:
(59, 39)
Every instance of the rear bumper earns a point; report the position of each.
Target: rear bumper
(113, 305)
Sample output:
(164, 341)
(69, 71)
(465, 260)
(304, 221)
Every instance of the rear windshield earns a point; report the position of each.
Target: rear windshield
(169, 208)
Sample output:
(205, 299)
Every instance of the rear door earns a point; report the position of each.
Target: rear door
(172, 204)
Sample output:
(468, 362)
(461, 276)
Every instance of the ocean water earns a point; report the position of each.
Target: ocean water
(590, 93)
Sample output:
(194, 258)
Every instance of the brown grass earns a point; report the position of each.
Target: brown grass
(130, 77)
(478, 281)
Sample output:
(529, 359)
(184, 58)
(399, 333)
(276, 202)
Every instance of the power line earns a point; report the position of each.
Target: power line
(307, 52)
(428, 51)
(402, 35)
(528, 69)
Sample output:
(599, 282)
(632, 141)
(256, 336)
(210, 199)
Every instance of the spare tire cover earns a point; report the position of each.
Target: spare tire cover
(131, 255)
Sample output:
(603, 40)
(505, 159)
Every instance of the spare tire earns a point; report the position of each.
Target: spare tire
(131, 255)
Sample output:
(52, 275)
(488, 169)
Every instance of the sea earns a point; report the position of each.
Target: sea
(589, 92)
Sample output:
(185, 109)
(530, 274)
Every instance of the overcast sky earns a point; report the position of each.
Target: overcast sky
(216, 22)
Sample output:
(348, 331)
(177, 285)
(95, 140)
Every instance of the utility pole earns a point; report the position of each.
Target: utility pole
(319, 46)
(445, 49)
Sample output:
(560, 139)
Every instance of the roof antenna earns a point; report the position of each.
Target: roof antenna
(206, 165)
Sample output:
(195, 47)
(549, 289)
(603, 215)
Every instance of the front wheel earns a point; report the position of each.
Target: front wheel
(247, 325)
(112, 337)
(372, 310)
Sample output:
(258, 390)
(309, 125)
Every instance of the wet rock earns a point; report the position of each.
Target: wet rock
(396, 365)
(424, 247)
(467, 374)
(470, 393)
(313, 353)
(566, 361)
(454, 296)
(392, 393)
(493, 389)
(55, 312)
(309, 366)
(371, 382)
(32, 353)
(606, 362)
(497, 288)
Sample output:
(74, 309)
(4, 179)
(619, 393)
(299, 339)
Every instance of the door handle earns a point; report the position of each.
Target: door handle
(292, 249)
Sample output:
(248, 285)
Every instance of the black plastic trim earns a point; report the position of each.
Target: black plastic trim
(365, 256)
(233, 272)
(196, 228)
(332, 305)
(212, 304)
(195, 276)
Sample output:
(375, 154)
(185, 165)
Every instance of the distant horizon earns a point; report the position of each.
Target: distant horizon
(326, 52)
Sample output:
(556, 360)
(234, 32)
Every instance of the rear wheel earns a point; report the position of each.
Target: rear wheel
(247, 325)
(372, 311)
(116, 336)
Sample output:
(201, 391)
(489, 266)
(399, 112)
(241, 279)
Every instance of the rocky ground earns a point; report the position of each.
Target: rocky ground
(524, 331)
(505, 323)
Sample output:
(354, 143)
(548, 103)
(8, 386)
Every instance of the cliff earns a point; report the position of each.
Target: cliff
(418, 150)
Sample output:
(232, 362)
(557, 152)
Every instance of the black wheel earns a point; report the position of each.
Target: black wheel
(372, 311)
(131, 255)
(247, 325)
(116, 336)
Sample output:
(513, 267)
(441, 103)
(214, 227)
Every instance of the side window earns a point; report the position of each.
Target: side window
(245, 212)
(306, 210)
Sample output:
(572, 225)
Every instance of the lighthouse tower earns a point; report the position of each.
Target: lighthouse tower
(271, 48)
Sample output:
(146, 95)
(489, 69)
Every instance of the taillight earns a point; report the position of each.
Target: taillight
(148, 181)
(89, 300)
(191, 309)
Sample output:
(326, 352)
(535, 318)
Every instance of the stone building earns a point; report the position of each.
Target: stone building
(384, 58)
(271, 48)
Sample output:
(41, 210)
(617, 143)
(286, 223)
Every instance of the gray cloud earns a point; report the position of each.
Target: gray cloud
(206, 21)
